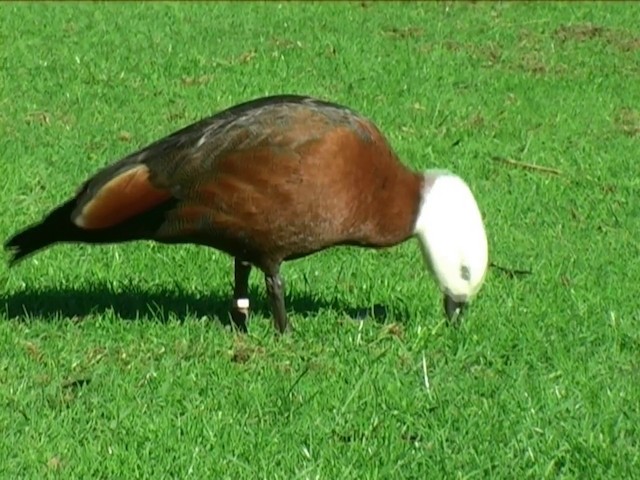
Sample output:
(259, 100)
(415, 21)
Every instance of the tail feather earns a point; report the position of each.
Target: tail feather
(56, 227)
(26, 242)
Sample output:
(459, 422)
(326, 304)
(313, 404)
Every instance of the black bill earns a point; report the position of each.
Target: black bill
(453, 308)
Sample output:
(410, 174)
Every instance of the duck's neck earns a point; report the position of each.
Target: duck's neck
(398, 201)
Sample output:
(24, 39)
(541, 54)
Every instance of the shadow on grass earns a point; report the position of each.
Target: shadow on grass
(138, 304)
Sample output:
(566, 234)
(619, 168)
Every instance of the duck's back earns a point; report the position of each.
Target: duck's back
(275, 178)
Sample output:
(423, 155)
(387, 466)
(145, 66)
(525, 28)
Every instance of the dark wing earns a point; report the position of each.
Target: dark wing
(175, 165)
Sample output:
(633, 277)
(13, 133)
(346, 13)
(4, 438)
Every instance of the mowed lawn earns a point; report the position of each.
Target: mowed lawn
(115, 361)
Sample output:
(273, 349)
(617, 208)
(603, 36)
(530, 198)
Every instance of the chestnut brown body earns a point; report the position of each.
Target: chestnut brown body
(266, 181)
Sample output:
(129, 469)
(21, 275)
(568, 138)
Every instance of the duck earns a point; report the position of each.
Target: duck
(271, 180)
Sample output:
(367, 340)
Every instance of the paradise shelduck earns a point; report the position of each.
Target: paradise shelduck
(276, 179)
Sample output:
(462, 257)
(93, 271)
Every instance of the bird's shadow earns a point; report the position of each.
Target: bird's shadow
(136, 303)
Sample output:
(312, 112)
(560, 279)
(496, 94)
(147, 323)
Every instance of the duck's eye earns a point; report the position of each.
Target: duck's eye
(465, 273)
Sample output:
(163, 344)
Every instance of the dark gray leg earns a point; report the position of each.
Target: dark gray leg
(275, 292)
(240, 307)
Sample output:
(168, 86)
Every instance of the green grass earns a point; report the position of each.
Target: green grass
(114, 363)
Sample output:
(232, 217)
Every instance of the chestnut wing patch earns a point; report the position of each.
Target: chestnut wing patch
(121, 198)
